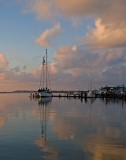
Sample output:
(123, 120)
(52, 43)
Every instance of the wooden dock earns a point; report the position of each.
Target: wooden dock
(83, 94)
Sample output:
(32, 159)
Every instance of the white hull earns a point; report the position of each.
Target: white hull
(45, 94)
(91, 94)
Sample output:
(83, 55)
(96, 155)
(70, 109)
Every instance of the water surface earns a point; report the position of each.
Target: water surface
(61, 129)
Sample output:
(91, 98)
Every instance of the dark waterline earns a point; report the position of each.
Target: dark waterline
(62, 129)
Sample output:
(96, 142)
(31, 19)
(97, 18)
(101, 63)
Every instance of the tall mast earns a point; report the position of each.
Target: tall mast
(43, 71)
(46, 69)
(91, 80)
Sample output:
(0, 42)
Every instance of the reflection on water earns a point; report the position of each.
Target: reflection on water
(45, 101)
(44, 107)
(54, 129)
(120, 102)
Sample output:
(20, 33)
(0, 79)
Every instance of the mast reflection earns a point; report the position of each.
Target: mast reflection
(44, 107)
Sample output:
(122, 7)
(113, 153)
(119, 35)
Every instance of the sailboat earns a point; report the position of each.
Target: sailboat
(44, 90)
(91, 93)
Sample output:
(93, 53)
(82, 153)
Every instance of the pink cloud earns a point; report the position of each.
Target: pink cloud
(44, 38)
(44, 9)
(109, 16)
(3, 62)
(74, 66)
(106, 35)
(71, 68)
(78, 8)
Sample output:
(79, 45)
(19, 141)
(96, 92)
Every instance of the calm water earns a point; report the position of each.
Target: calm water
(61, 129)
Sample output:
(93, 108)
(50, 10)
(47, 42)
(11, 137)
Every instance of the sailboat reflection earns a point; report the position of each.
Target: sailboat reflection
(90, 102)
(45, 101)
(44, 107)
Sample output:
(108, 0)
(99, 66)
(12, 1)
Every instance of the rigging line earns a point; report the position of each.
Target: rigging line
(49, 81)
(40, 79)
(47, 74)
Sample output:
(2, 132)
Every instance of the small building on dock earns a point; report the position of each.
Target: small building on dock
(118, 91)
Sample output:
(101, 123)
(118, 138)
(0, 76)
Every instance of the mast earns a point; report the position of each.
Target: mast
(91, 80)
(43, 72)
(46, 69)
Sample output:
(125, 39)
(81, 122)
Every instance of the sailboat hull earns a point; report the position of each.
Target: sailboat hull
(45, 94)
(91, 94)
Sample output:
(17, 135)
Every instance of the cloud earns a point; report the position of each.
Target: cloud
(74, 67)
(44, 9)
(12, 80)
(106, 35)
(109, 17)
(15, 78)
(16, 69)
(109, 10)
(3, 62)
(79, 8)
(44, 39)
(72, 64)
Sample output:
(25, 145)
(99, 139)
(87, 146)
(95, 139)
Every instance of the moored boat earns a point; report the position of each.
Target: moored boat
(91, 93)
(44, 88)
(44, 85)
(45, 92)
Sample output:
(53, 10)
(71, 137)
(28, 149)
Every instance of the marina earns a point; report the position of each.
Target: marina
(62, 80)
(109, 92)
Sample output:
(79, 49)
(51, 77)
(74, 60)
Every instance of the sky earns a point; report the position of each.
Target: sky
(81, 36)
